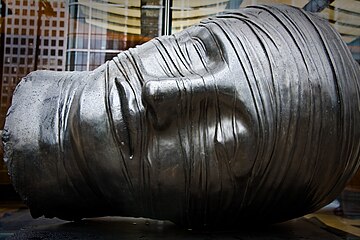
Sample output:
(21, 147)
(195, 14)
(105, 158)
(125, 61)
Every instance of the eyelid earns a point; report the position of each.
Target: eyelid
(200, 49)
(208, 47)
(199, 43)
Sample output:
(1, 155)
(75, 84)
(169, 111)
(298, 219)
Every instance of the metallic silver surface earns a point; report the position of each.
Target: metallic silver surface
(249, 115)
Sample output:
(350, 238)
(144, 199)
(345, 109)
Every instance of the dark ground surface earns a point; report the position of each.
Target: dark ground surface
(18, 224)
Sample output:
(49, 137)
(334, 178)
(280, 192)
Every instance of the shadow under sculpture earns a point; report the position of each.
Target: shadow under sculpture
(250, 116)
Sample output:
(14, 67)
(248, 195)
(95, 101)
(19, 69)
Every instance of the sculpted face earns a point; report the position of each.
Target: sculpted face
(248, 115)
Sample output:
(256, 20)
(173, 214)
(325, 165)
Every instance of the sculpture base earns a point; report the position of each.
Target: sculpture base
(20, 225)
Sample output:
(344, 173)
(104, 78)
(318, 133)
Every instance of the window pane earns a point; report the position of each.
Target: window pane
(112, 26)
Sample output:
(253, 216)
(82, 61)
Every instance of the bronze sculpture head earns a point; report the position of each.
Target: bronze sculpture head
(251, 114)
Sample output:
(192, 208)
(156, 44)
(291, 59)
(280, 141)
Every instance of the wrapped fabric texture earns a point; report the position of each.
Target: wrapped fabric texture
(252, 115)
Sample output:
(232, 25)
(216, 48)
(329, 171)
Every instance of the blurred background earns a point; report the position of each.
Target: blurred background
(80, 35)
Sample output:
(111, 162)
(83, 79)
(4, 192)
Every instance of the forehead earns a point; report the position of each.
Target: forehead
(194, 51)
(205, 47)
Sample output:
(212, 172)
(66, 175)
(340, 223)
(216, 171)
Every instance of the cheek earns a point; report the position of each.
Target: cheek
(235, 140)
(206, 130)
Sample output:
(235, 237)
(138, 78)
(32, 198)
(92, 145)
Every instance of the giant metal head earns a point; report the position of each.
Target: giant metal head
(253, 114)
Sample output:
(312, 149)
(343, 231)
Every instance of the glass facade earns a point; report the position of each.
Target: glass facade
(33, 37)
(82, 34)
(98, 30)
